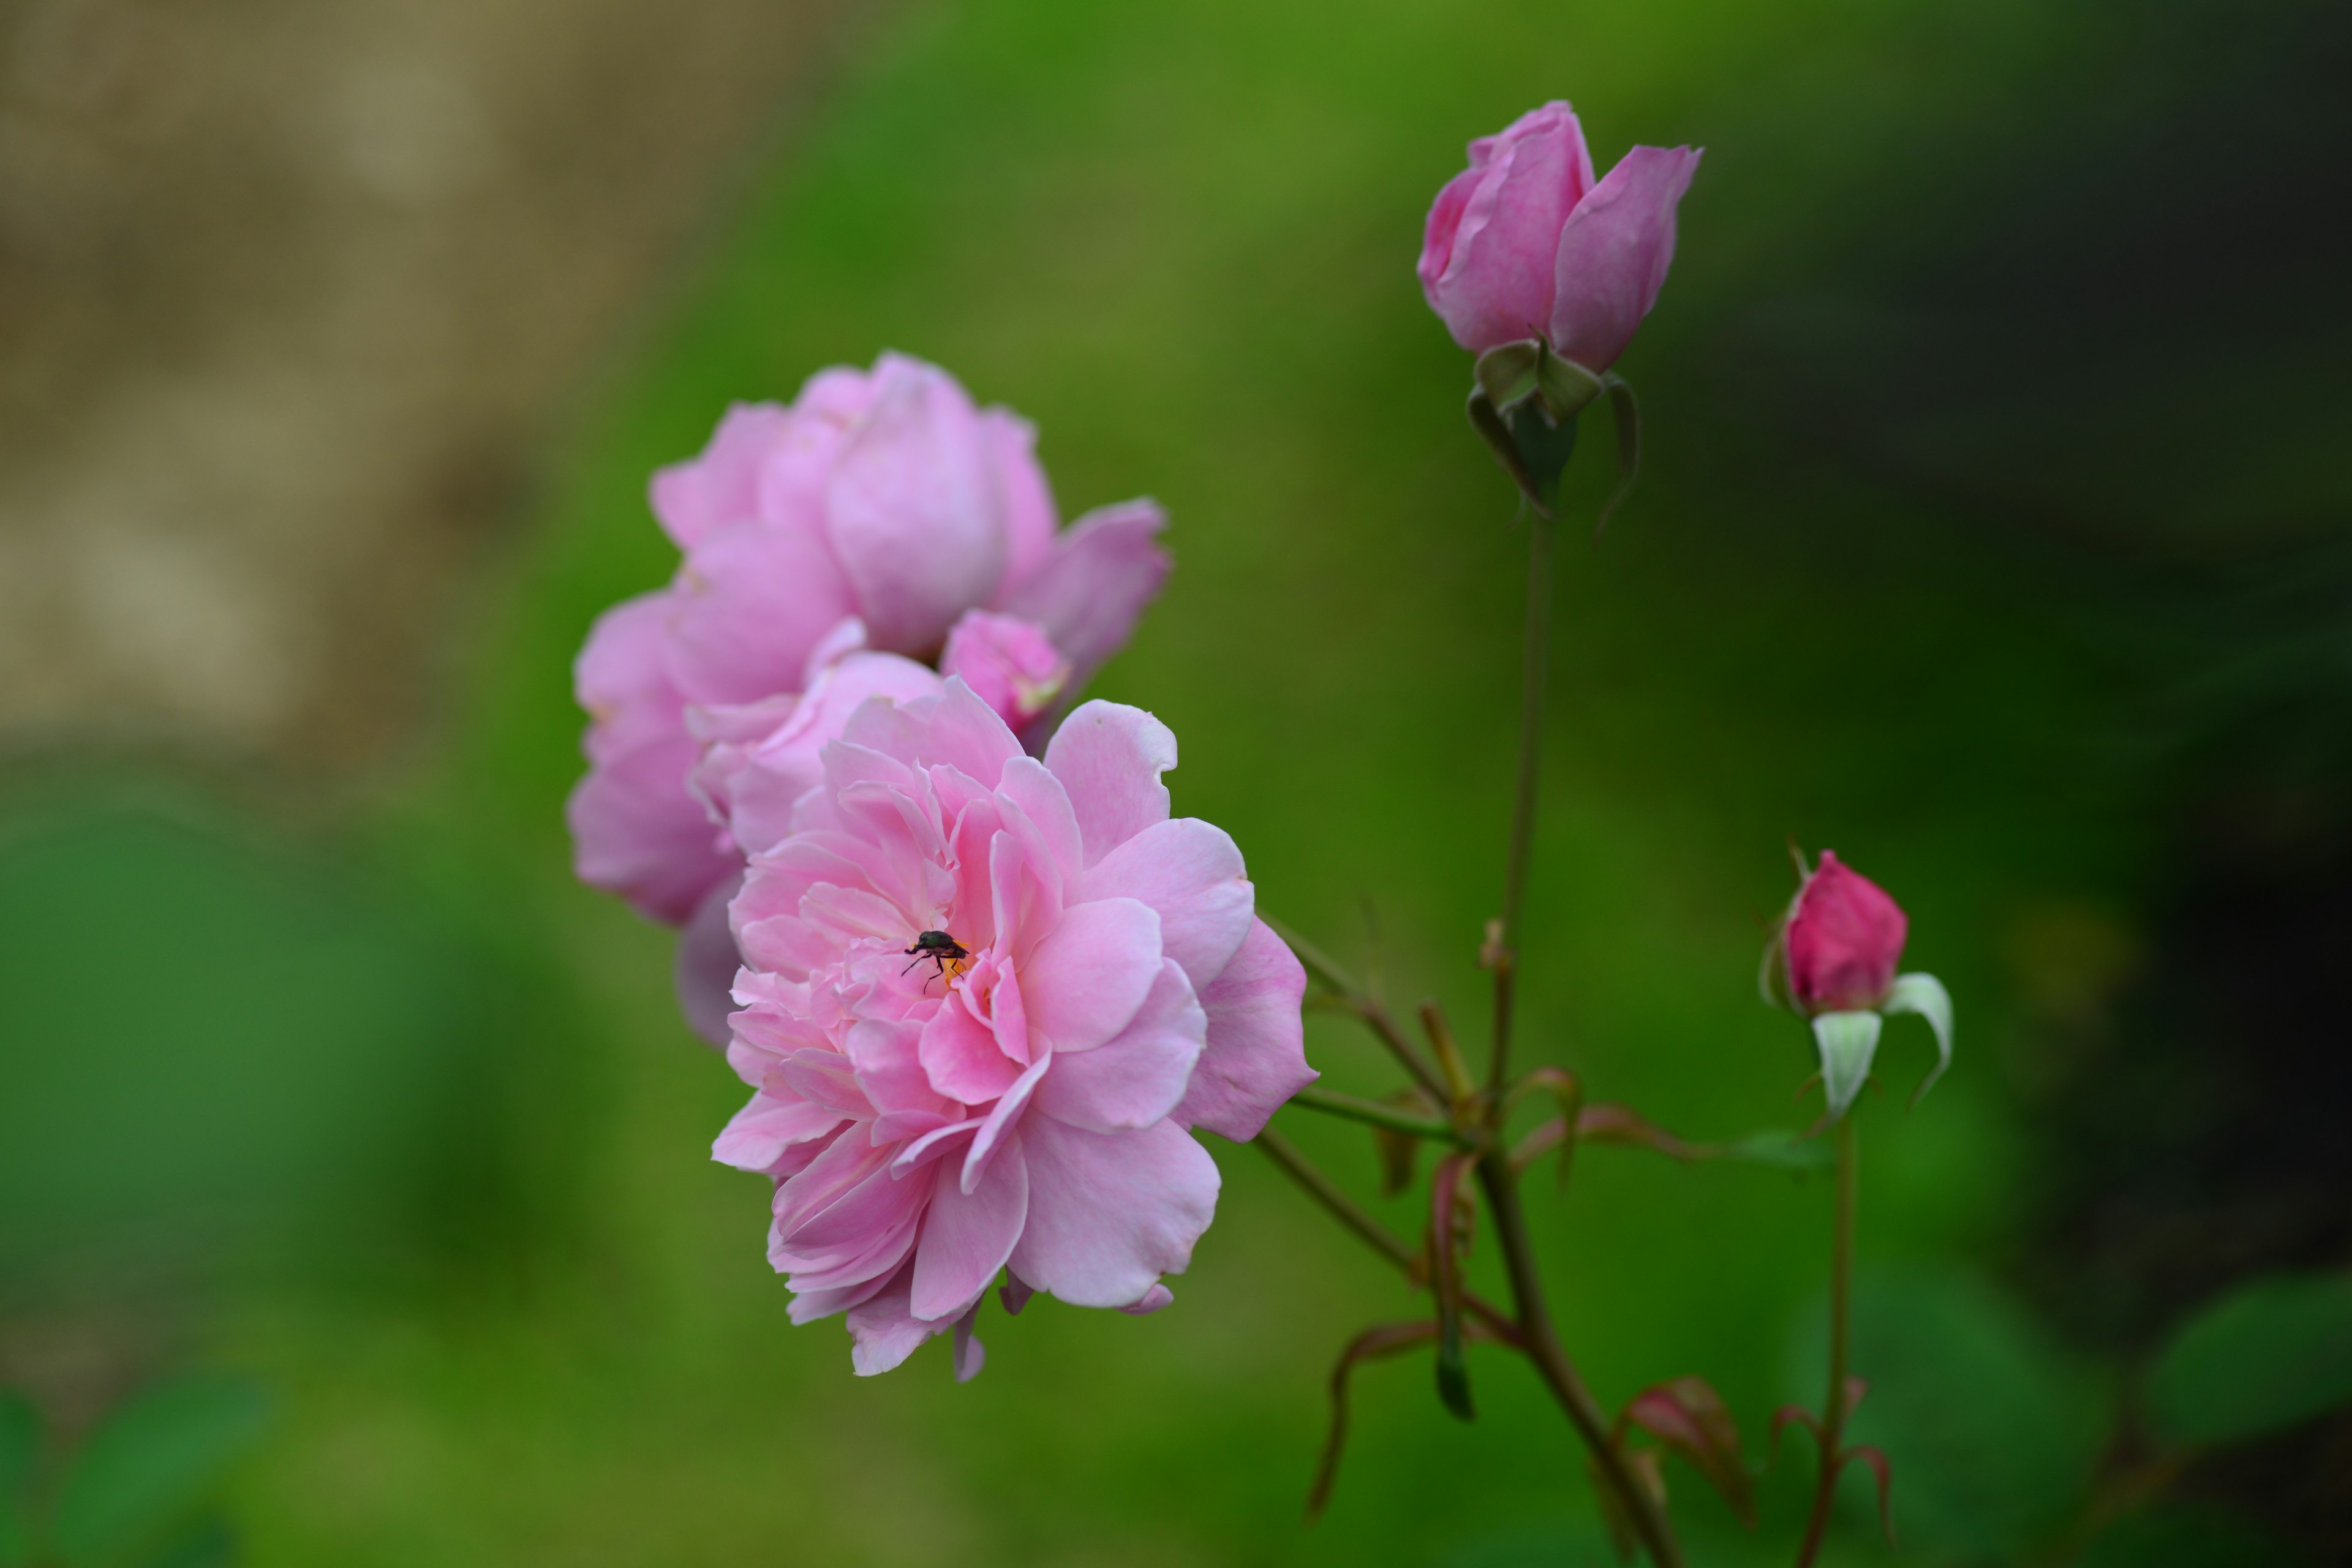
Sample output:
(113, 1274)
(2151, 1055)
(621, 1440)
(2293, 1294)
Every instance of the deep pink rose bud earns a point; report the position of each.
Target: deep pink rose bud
(1844, 938)
(1524, 244)
(1833, 961)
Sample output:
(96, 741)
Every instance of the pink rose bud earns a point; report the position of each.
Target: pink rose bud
(1524, 244)
(1833, 961)
(1843, 939)
(1009, 663)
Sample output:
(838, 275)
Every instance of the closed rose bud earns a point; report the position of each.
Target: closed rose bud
(1844, 938)
(1833, 961)
(1526, 243)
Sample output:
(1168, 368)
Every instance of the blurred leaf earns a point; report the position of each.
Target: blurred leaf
(1994, 1429)
(2268, 1355)
(152, 1459)
(1690, 1417)
(20, 1453)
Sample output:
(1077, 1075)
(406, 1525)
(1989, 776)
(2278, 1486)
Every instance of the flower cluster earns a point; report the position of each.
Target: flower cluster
(981, 999)
(836, 548)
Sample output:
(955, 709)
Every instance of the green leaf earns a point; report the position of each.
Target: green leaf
(2268, 1355)
(20, 1455)
(154, 1459)
(1925, 994)
(1847, 1041)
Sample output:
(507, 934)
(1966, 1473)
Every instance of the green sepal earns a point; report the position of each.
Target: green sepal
(1525, 406)
(1847, 1042)
(1925, 994)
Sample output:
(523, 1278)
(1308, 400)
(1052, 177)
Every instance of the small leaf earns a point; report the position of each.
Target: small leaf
(1788, 1415)
(1372, 1344)
(1445, 1238)
(1690, 1417)
(1875, 1458)
(1545, 445)
(1925, 994)
(1627, 413)
(153, 1457)
(1619, 1124)
(1847, 1041)
(2270, 1353)
(1399, 1151)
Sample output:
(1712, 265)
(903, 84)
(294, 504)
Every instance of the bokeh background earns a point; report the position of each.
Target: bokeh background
(1995, 531)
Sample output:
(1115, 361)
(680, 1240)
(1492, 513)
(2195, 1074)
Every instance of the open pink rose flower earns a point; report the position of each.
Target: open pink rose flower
(1833, 961)
(1526, 243)
(985, 998)
(881, 497)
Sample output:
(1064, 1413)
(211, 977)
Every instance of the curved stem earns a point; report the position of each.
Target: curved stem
(1835, 1404)
(1331, 1103)
(1542, 1344)
(1536, 664)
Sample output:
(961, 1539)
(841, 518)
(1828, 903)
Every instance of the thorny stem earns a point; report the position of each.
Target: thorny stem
(1541, 1342)
(1537, 663)
(1833, 1409)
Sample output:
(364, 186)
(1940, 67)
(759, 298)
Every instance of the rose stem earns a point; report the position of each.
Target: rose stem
(1833, 1409)
(1537, 663)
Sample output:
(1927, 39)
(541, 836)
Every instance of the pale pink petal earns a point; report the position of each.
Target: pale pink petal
(933, 1145)
(697, 498)
(1014, 1293)
(757, 1136)
(1089, 592)
(1109, 1214)
(1139, 1076)
(967, 1236)
(914, 510)
(885, 1332)
(847, 1161)
(971, 1355)
(961, 1057)
(1046, 823)
(885, 1055)
(705, 965)
(1153, 1300)
(1086, 980)
(1615, 252)
(637, 832)
(1029, 516)
(1191, 874)
(786, 762)
(997, 1134)
(1110, 758)
(622, 676)
(1024, 896)
(752, 601)
(1255, 1057)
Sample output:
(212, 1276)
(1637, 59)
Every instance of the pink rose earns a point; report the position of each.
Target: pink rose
(1524, 244)
(881, 499)
(1833, 961)
(984, 1000)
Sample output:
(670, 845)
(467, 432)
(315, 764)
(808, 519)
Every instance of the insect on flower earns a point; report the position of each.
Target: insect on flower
(948, 956)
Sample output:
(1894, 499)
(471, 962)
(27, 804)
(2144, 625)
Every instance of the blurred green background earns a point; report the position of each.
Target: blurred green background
(1993, 532)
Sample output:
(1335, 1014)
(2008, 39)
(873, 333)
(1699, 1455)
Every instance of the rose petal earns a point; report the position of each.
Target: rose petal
(1109, 1214)
(1085, 982)
(1109, 757)
(1613, 255)
(1137, 1078)
(967, 1236)
(1191, 873)
(1256, 1056)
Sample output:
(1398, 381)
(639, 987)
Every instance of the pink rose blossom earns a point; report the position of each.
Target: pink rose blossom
(1526, 243)
(1024, 1102)
(1843, 939)
(881, 499)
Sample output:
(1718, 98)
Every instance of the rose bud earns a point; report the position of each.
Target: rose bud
(1545, 274)
(1833, 961)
